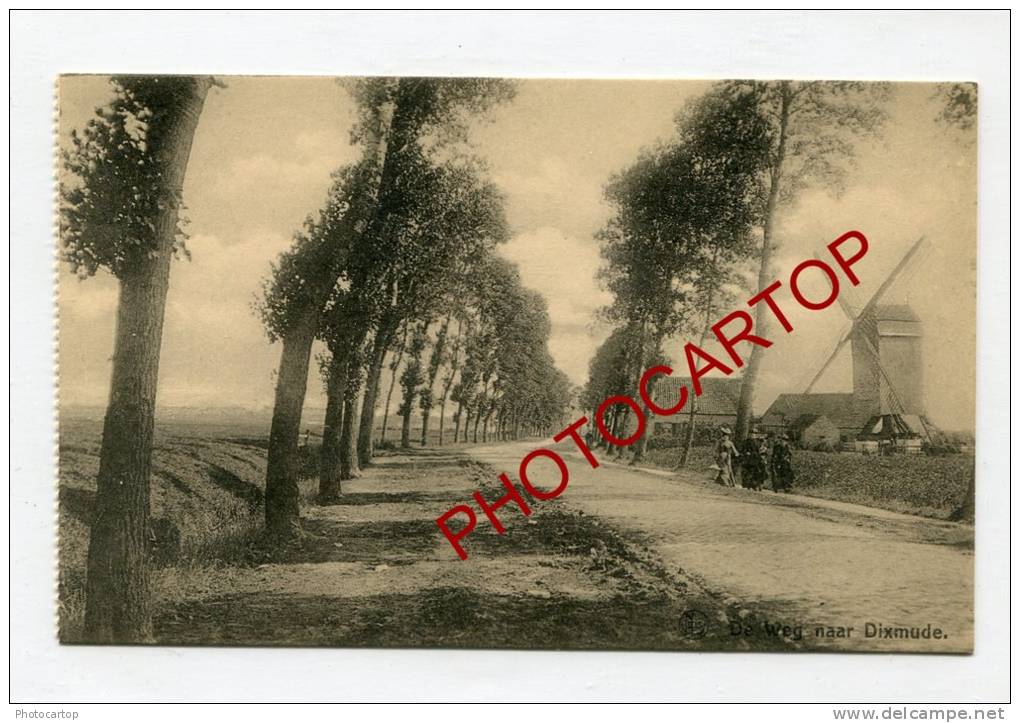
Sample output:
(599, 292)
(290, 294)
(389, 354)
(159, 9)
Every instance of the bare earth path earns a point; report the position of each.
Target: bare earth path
(811, 563)
(374, 570)
(623, 559)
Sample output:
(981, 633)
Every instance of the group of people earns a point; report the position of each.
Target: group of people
(761, 457)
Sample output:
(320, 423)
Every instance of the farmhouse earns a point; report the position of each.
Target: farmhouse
(716, 406)
(837, 408)
(812, 430)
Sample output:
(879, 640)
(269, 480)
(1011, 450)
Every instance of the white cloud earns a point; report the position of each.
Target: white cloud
(562, 269)
(552, 189)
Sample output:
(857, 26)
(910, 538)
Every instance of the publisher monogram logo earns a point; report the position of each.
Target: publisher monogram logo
(693, 624)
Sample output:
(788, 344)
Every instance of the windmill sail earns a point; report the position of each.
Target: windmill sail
(864, 313)
(887, 366)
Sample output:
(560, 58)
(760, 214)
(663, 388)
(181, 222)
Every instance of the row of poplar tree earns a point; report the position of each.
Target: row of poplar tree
(695, 218)
(400, 261)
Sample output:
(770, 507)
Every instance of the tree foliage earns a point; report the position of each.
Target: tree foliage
(959, 103)
(316, 255)
(683, 218)
(683, 214)
(386, 219)
(608, 369)
(813, 127)
(508, 373)
(115, 190)
(383, 213)
(413, 374)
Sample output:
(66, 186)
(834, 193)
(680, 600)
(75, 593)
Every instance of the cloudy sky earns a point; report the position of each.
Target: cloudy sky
(266, 146)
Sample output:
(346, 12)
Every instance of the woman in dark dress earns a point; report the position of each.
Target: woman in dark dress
(782, 464)
(754, 462)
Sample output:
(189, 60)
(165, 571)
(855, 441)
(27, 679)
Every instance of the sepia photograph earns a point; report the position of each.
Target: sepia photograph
(517, 363)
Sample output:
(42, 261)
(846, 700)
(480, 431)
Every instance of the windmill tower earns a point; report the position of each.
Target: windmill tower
(889, 381)
(886, 349)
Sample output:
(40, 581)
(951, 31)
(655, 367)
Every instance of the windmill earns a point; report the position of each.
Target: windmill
(886, 349)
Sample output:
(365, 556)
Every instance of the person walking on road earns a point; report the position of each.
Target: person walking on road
(754, 461)
(725, 453)
(781, 464)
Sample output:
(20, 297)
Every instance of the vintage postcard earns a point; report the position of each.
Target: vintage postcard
(517, 363)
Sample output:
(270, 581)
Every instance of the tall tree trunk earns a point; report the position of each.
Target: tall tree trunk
(692, 403)
(282, 505)
(485, 426)
(467, 424)
(386, 407)
(435, 362)
(380, 345)
(600, 441)
(117, 596)
(393, 383)
(692, 420)
(349, 468)
(405, 422)
(329, 455)
(117, 583)
(425, 413)
(750, 381)
(442, 419)
(411, 380)
(448, 382)
(641, 446)
(456, 422)
(282, 511)
(619, 428)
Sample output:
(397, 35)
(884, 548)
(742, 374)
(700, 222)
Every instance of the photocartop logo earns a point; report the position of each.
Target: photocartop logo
(699, 363)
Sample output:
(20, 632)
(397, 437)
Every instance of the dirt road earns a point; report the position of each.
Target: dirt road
(373, 569)
(624, 558)
(838, 576)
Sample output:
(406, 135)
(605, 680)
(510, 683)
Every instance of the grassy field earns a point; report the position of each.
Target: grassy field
(916, 484)
(208, 486)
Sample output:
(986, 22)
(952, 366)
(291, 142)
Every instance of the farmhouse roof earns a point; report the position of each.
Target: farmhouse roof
(837, 406)
(718, 395)
(806, 420)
